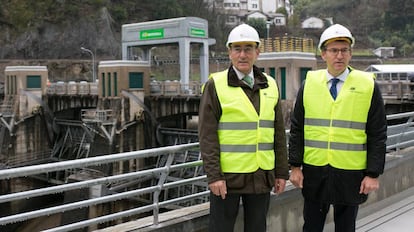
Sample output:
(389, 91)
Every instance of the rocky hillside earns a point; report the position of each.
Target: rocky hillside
(56, 29)
(62, 40)
(51, 32)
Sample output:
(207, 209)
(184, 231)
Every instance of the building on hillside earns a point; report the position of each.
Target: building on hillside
(271, 6)
(317, 23)
(238, 11)
(313, 23)
(256, 15)
(279, 19)
(384, 52)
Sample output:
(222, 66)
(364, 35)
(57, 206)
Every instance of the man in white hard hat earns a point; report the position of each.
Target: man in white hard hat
(337, 136)
(242, 137)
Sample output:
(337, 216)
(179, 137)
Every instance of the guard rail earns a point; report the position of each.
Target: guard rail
(190, 187)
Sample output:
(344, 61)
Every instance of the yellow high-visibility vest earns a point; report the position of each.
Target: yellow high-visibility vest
(334, 131)
(246, 138)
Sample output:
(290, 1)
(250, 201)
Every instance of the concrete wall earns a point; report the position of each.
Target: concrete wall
(121, 69)
(292, 62)
(285, 210)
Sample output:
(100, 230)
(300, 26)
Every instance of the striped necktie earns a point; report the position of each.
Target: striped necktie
(248, 81)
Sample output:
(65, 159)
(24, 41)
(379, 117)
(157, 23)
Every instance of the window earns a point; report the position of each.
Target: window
(109, 85)
(283, 82)
(115, 84)
(303, 72)
(34, 82)
(231, 19)
(136, 80)
(14, 84)
(103, 85)
(272, 72)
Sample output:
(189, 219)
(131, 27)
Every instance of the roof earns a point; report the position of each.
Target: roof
(391, 68)
(257, 14)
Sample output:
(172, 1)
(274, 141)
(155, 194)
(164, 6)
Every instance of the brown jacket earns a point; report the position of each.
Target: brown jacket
(210, 111)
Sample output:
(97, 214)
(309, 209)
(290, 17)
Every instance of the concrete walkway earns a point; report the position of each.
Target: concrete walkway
(395, 213)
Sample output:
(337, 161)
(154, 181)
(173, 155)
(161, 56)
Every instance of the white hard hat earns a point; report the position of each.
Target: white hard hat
(336, 32)
(243, 33)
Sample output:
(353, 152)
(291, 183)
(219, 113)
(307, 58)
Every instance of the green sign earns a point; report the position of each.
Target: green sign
(151, 34)
(197, 32)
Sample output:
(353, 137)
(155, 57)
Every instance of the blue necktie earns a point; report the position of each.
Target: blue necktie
(333, 91)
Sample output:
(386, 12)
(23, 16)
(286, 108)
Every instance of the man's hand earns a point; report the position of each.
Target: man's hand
(368, 185)
(296, 177)
(280, 185)
(219, 188)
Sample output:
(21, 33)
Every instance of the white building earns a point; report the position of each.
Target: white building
(270, 6)
(384, 52)
(313, 23)
(253, 5)
(257, 15)
(238, 11)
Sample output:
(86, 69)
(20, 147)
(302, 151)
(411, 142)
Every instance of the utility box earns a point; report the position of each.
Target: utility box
(117, 75)
(132, 77)
(28, 84)
(27, 78)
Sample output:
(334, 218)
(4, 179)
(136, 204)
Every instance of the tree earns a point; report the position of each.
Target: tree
(259, 24)
(399, 14)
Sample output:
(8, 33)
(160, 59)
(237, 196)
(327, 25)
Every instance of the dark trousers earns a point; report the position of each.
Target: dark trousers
(314, 214)
(223, 213)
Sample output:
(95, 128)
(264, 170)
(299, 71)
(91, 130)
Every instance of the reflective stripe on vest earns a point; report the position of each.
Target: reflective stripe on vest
(246, 138)
(335, 130)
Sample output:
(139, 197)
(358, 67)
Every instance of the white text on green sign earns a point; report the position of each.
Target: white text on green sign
(151, 34)
(197, 32)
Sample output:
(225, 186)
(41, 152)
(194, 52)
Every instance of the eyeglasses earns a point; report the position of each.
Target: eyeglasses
(335, 51)
(246, 50)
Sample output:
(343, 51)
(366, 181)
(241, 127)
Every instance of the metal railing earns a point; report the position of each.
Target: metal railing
(175, 88)
(162, 174)
(391, 88)
(400, 135)
(72, 88)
